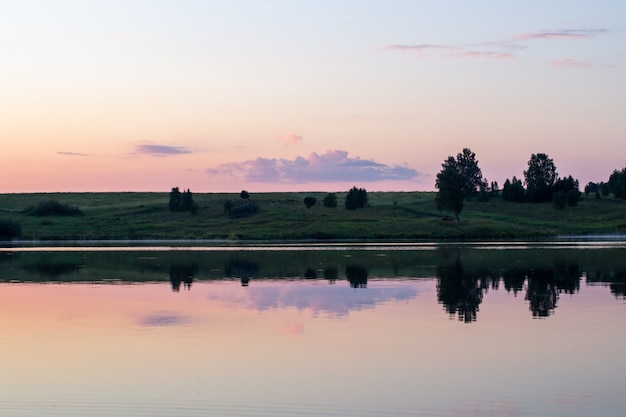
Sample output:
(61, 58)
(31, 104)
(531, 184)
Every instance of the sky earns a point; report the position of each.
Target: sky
(220, 96)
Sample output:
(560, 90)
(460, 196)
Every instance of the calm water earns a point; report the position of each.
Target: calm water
(498, 329)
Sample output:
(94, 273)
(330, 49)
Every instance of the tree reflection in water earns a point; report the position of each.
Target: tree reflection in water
(459, 292)
(357, 276)
(182, 274)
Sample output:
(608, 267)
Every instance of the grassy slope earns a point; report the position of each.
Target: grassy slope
(410, 215)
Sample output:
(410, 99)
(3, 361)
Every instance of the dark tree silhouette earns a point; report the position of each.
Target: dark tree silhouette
(565, 192)
(356, 198)
(330, 200)
(467, 166)
(450, 195)
(459, 292)
(513, 190)
(176, 199)
(540, 177)
(244, 194)
(182, 201)
(357, 276)
(309, 201)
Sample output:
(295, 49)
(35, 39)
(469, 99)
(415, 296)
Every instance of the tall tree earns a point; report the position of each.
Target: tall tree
(540, 178)
(466, 165)
(176, 199)
(451, 185)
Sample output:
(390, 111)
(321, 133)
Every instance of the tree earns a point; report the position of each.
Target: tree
(309, 201)
(451, 185)
(565, 192)
(175, 199)
(513, 191)
(540, 178)
(617, 183)
(467, 166)
(182, 201)
(330, 200)
(356, 198)
(244, 194)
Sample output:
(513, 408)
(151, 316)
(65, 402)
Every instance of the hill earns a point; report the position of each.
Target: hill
(283, 216)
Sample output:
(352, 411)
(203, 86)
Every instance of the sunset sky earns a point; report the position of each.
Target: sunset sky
(305, 95)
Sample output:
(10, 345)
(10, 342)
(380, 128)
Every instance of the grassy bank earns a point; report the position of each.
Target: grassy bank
(391, 215)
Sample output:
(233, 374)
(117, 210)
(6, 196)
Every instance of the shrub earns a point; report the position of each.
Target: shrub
(330, 200)
(52, 208)
(236, 211)
(309, 201)
(559, 199)
(9, 230)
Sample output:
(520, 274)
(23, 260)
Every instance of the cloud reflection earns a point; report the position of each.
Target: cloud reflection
(163, 319)
(333, 300)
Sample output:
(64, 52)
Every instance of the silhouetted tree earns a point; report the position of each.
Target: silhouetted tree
(450, 195)
(330, 200)
(182, 201)
(176, 199)
(309, 201)
(467, 166)
(513, 190)
(356, 198)
(565, 192)
(244, 194)
(540, 177)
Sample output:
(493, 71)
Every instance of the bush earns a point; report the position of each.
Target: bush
(330, 200)
(9, 230)
(237, 211)
(52, 208)
(559, 199)
(309, 201)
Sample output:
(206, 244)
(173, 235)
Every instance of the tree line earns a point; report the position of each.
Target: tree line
(461, 178)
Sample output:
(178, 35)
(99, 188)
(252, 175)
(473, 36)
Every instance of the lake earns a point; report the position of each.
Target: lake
(416, 329)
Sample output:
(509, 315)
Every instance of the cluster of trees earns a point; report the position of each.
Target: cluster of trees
(461, 179)
(182, 201)
(616, 186)
(355, 198)
(542, 185)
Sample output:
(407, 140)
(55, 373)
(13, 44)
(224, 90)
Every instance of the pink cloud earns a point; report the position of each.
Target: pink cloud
(570, 63)
(562, 34)
(161, 150)
(330, 166)
(291, 138)
(450, 51)
(423, 47)
(484, 54)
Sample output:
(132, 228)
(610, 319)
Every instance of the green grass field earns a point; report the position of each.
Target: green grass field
(283, 216)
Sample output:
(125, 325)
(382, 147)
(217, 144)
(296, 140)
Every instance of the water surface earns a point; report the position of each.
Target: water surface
(494, 329)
